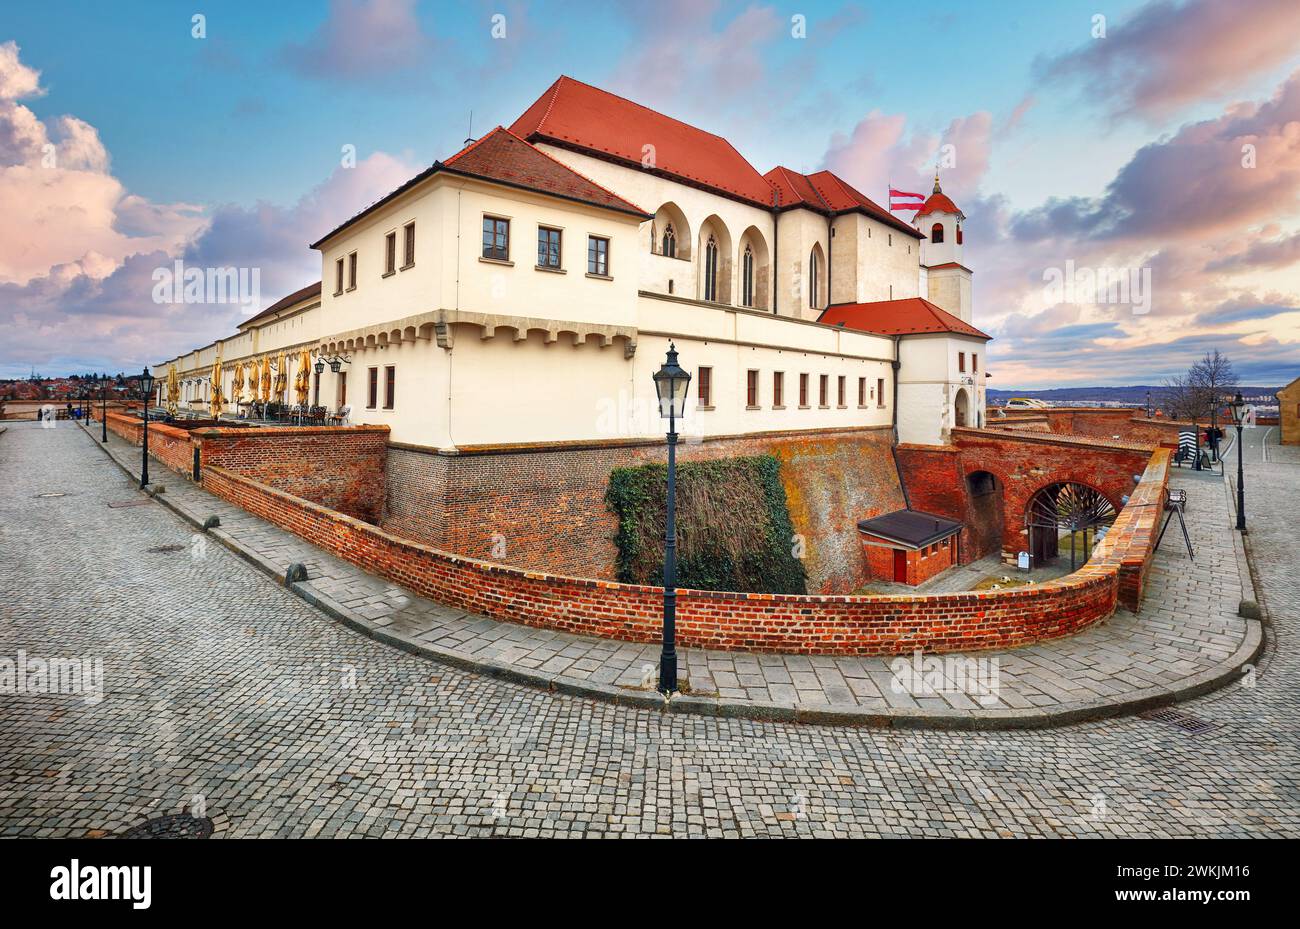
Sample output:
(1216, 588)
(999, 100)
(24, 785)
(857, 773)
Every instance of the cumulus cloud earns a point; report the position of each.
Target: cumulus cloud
(1171, 54)
(17, 80)
(78, 252)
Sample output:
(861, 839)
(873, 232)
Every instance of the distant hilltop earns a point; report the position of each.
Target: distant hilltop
(1112, 396)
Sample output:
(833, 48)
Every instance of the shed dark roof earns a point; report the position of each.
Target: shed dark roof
(910, 527)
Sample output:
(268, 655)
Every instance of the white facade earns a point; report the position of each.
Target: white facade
(487, 351)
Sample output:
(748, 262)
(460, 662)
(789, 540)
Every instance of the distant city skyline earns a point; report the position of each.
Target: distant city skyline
(1155, 142)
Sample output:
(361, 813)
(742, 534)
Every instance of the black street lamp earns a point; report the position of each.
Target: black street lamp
(1238, 407)
(1214, 426)
(146, 388)
(671, 384)
(103, 410)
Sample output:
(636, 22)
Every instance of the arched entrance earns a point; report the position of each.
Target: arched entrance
(961, 408)
(1066, 509)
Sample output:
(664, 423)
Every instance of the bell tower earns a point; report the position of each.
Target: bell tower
(948, 280)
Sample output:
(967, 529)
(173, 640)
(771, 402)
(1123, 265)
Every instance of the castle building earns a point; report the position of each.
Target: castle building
(521, 293)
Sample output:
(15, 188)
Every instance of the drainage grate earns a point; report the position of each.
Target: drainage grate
(171, 826)
(1192, 725)
(164, 549)
(119, 504)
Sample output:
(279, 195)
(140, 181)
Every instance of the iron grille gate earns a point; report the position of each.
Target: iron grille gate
(1065, 507)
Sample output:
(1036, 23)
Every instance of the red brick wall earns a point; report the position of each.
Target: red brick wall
(746, 622)
(339, 467)
(1025, 462)
(544, 507)
(167, 444)
(879, 555)
(936, 481)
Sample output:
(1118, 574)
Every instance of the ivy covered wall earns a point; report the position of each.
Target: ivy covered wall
(733, 526)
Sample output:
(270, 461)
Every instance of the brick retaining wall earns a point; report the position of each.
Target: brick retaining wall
(544, 505)
(843, 625)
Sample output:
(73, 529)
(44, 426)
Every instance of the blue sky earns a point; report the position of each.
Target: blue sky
(216, 140)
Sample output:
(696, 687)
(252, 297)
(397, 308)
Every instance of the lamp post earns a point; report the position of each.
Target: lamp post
(146, 388)
(103, 410)
(1148, 404)
(671, 384)
(1238, 407)
(320, 369)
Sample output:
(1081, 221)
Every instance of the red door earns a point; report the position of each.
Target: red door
(900, 566)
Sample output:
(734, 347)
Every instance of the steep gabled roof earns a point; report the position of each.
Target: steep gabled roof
(577, 116)
(827, 192)
(310, 292)
(908, 316)
(504, 158)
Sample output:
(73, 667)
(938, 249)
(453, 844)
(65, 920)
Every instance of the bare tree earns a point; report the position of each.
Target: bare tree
(1206, 384)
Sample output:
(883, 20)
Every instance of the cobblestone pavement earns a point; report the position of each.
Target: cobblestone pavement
(221, 685)
(1185, 635)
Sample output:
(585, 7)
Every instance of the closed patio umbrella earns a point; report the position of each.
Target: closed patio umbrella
(282, 377)
(237, 384)
(218, 404)
(173, 390)
(266, 379)
(304, 376)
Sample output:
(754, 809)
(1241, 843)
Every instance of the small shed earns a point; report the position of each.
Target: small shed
(908, 546)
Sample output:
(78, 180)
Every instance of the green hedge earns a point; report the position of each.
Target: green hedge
(733, 527)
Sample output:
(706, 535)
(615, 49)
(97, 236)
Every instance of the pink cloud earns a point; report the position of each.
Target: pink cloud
(1171, 54)
(362, 39)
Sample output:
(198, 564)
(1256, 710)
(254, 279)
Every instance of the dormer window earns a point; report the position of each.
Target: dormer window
(936, 233)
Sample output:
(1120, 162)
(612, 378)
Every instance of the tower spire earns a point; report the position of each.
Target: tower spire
(936, 180)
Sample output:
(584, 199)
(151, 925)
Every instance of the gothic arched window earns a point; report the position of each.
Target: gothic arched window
(936, 233)
(747, 277)
(670, 241)
(813, 273)
(711, 270)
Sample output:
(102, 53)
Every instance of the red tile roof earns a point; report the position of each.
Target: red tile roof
(311, 291)
(938, 202)
(827, 192)
(504, 158)
(575, 115)
(909, 316)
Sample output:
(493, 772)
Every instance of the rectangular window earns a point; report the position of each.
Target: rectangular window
(496, 238)
(840, 391)
(778, 389)
(352, 271)
(409, 230)
(961, 362)
(598, 256)
(390, 386)
(548, 248)
(751, 389)
(706, 387)
(974, 363)
(372, 389)
(390, 254)
(862, 391)
(824, 390)
(338, 277)
(803, 391)
(880, 391)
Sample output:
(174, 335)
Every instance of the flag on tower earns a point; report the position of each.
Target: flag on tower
(901, 200)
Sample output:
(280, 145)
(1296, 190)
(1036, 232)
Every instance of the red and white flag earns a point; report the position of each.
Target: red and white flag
(903, 200)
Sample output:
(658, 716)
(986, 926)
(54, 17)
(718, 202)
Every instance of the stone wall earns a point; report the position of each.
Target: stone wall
(542, 507)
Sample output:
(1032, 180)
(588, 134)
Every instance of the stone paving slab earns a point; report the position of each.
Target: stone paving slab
(1187, 640)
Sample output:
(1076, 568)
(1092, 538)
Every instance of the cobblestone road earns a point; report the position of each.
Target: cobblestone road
(221, 685)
